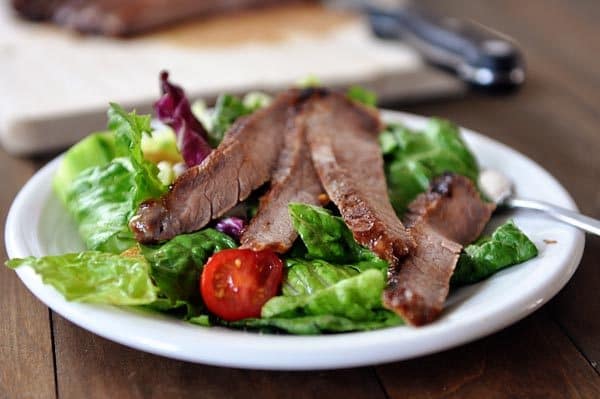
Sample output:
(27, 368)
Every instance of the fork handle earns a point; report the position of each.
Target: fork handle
(573, 218)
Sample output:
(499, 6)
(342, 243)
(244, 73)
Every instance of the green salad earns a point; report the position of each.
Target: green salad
(329, 282)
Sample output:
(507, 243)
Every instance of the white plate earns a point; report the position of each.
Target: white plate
(38, 225)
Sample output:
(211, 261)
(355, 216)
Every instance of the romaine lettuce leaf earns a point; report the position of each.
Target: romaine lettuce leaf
(355, 298)
(362, 95)
(304, 277)
(97, 149)
(180, 309)
(128, 129)
(306, 325)
(507, 246)
(256, 100)
(201, 320)
(176, 265)
(227, 109)
(103, 198)
(325, 236)
(412, 159)
(96, 277)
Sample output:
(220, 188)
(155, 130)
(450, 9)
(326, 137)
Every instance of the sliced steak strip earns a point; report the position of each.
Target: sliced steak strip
(451, 214)
(294, 180)
(342, 137)
(243, 161)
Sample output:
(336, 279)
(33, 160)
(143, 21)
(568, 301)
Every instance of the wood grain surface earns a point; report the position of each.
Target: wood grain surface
(26, 353)
(554, 353)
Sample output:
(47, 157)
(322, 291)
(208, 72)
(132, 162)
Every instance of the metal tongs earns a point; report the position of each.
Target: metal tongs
(478, 55)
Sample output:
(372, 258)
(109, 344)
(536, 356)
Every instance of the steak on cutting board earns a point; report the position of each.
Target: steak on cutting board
(123, 18)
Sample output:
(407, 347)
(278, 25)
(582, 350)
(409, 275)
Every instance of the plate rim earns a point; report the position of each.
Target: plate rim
(304, 345)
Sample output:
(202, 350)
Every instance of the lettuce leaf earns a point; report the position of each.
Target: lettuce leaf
(355, 298)
(227, 109)
(128, 129)
(325, 236)
(96, 277)
(256, 100)
(201, 320)
(97, 149)
(310, 325)
(362, 95)
(176, 265)
(412, 159)
(103, 198)
(507, 246)
(304, 277)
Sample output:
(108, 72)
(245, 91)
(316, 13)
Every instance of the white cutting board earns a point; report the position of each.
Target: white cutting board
(55, 85)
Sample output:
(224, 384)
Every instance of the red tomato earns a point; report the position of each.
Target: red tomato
(236, 283)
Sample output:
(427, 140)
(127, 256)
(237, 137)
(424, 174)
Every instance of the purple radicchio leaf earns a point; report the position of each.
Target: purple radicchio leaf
(173, 109)
(232, 226)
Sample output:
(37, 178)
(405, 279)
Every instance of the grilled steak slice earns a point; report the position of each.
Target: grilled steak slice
(294, 180)
(342, 137)
(243, 161)
(123, 18)
(451, 214)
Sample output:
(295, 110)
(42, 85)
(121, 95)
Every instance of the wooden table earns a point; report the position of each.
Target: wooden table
(554, 353)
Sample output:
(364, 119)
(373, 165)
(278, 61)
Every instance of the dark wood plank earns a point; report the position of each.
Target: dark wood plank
(577, 307)
(91, 367)
(26, 364)
(532, 359)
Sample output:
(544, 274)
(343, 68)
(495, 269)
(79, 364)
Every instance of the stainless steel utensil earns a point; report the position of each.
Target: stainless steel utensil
(478, 55)
(498, 188)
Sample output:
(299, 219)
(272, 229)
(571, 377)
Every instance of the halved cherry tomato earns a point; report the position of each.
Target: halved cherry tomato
(236, 283)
